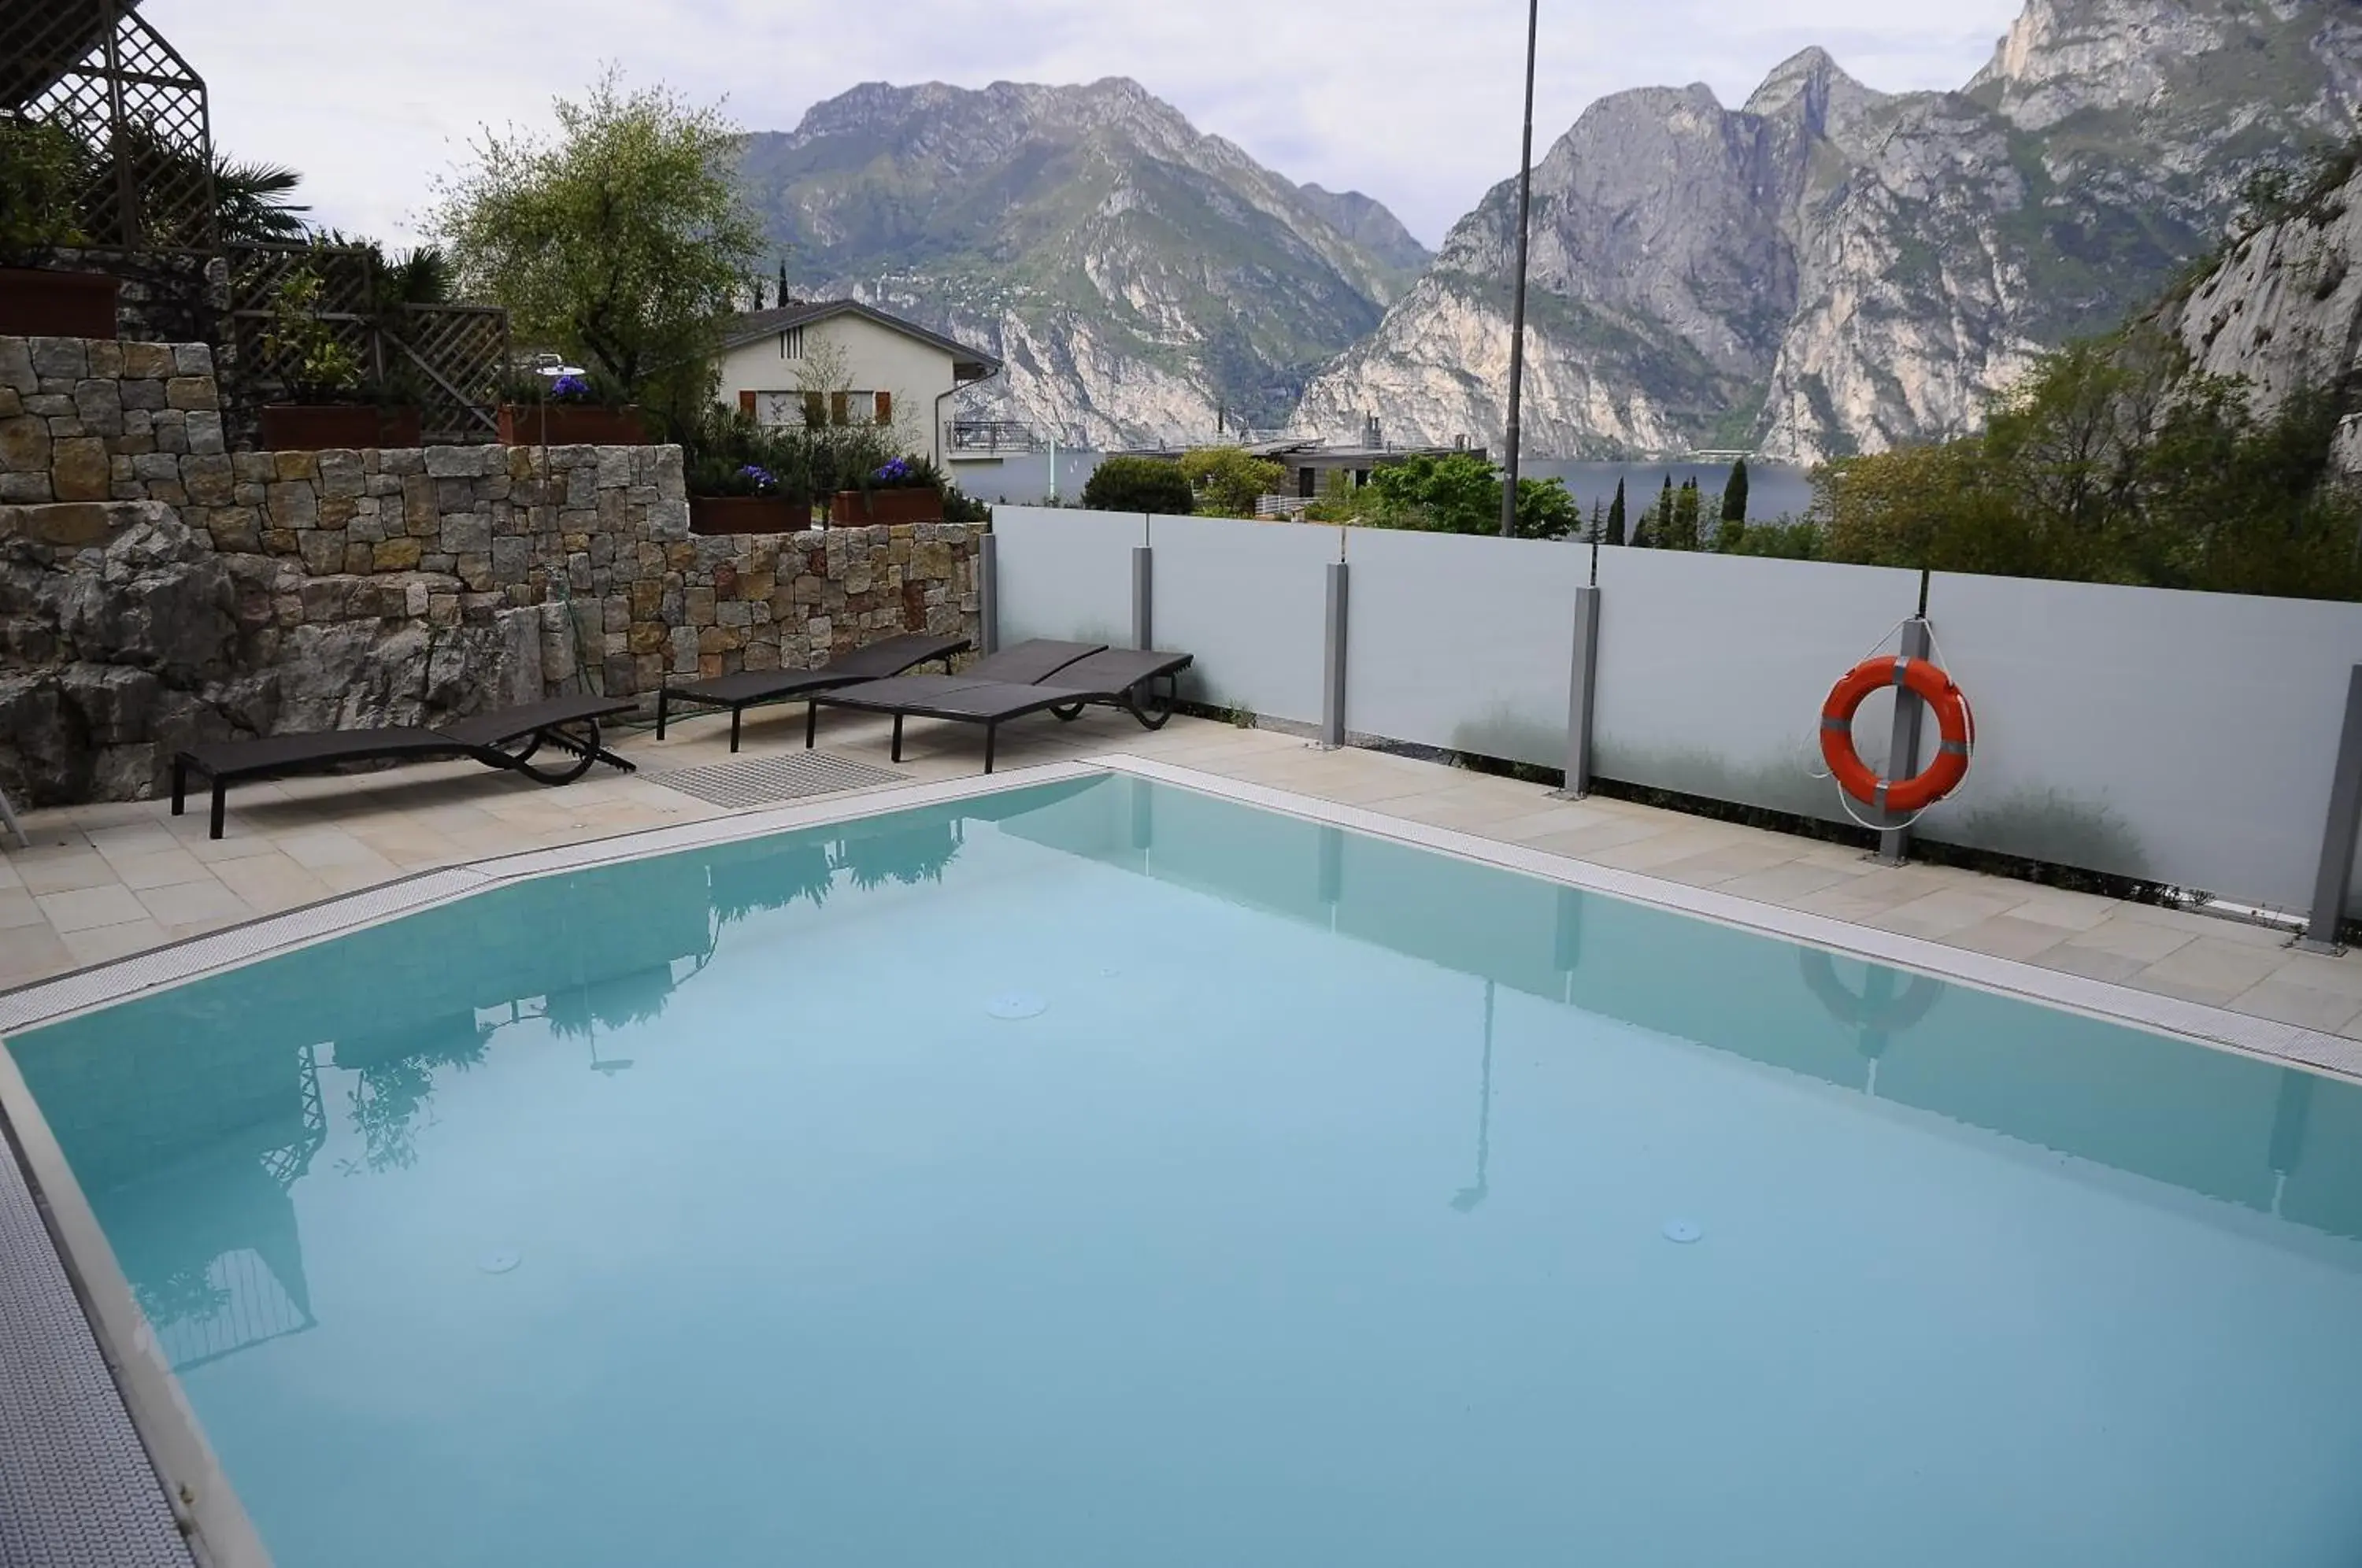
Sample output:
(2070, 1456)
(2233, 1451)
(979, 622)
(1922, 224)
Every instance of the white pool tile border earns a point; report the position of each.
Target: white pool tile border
(154, 1396)
(50, 1001)
(2214, 1026)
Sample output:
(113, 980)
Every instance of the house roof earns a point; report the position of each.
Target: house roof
(967, 364)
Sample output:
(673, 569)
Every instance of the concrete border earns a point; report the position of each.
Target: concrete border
(2194, 1022)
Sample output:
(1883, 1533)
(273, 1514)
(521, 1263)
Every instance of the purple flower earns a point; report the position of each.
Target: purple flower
(569, 388)
(764, 478)
(894, 472)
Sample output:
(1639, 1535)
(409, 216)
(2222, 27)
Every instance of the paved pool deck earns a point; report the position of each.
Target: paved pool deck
(107, 882)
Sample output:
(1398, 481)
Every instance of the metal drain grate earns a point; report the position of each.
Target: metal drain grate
(782, 776)
(75, 1484)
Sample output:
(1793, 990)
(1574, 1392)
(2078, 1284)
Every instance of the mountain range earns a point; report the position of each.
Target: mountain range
(1824, 269)
(1139, 279)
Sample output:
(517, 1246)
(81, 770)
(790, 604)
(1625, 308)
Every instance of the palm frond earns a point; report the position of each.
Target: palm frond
(251, 204)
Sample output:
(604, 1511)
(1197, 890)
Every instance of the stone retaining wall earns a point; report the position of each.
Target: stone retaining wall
(156, 590)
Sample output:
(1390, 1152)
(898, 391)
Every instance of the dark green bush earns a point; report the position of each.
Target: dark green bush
(1140, 484)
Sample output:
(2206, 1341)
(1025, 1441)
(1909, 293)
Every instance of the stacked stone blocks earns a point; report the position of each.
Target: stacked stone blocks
(468, 575)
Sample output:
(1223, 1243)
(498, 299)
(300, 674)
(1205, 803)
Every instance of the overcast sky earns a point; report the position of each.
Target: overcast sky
(1413, 101)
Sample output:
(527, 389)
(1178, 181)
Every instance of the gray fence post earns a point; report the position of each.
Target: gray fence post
(2335, 876)
(1144, 595)
(987, 593)
(1332, 683)
(1581, 688)
(1903, 746)
(8, 820)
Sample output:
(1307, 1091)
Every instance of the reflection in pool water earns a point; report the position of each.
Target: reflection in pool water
(1321, 1214)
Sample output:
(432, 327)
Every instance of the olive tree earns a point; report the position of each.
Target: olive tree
(622, 243)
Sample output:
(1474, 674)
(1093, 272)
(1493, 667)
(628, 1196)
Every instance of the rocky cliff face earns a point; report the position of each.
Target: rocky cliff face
(1368, 224)
(1829, 269)
(2283, 309)
(1139, 278)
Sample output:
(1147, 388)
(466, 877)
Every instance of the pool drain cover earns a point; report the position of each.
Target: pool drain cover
(1017, 1004)
(500, 1260)
(1684, 1231)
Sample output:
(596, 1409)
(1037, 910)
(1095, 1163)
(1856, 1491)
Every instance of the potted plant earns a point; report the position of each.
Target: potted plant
(569, 409)
(42, 170)
(326, 405)
(748, 499)
(906, 489)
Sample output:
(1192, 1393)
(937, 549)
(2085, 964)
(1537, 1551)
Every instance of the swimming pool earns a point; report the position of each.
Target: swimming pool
(1106, 1172)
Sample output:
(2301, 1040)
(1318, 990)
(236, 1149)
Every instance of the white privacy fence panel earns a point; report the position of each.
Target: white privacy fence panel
(1463, 642)
(1066, 575)
(1249, 599)
(1713, 670)
(2182, 738)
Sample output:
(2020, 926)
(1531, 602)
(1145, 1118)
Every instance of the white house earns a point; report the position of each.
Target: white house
(879, 366)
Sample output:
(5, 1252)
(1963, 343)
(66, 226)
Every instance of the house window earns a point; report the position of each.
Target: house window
(791, 343)
(853, 407)
(776, 408)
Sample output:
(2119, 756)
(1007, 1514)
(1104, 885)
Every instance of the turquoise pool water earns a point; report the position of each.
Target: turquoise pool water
(1106, 1174)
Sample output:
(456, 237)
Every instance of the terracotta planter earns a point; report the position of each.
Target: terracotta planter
(36, 302)
(746, 514)
(320, 427)
(570, 425)
(857, 508)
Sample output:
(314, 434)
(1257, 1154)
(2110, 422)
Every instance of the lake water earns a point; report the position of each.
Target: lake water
(1774, 490)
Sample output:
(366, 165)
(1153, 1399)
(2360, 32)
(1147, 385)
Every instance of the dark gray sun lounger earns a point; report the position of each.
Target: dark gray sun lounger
(751, 688)
(508, 739)
(1024, 663)
(1120, 678)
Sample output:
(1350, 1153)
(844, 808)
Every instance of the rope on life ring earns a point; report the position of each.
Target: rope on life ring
(1956, 723)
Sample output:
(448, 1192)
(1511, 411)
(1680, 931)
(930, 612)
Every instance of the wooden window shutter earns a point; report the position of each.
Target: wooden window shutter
(815, 412)
(839, 409)
(885, 408)
(747, 403)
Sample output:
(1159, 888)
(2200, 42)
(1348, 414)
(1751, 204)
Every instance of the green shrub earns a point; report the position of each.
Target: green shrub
(1460, 493)
(2113, 463)
(43, 172)
(315, 365)
(1140, 484)
(1230, 481)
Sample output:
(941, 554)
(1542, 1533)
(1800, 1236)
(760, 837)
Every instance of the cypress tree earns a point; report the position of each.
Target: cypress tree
(1734, 493)
(1682, 533)
(783, 280)
(1615, 515)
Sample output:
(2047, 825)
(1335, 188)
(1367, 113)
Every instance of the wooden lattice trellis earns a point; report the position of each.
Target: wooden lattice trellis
(97, 71)
(447, 359)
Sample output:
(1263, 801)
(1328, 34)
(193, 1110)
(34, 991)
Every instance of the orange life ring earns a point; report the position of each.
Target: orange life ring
(1957, 724)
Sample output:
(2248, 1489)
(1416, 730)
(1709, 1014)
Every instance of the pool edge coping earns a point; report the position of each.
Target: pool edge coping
(190, 1475)
(2215, 1028)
